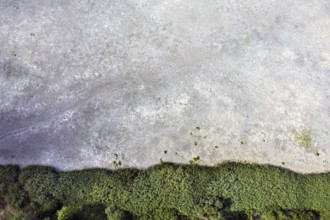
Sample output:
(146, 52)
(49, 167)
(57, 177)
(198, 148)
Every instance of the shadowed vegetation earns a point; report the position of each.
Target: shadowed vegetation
(166, 191)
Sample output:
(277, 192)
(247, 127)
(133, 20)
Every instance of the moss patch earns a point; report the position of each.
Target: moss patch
(194, 160)
(303, 138)
(166, 191)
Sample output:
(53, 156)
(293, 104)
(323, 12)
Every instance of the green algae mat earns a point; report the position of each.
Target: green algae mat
(165, 191)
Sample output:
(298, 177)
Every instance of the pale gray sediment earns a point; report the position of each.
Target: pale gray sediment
(95, 83)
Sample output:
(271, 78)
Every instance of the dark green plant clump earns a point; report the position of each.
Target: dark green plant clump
(166, 191)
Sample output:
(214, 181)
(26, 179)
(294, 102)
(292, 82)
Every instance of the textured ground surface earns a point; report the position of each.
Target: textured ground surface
(129, 83)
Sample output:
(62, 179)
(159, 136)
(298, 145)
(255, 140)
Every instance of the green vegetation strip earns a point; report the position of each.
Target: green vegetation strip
(165, 191)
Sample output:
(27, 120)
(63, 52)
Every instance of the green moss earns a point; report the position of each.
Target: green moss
(288, 215)
(194, 160)
(10, 190)
(66, 213)
(115, 213)
(303, 138)
(166, 191)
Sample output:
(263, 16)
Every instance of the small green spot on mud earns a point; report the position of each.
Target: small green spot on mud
(215, 146)
(196, 143)
(116, 163)
(317, 154)
(194, 160)
(165, 151)
(303, 138)
(242, 142)
(283, 163)
(198, 128)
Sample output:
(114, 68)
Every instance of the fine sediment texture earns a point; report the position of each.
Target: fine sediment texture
(130, 83)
